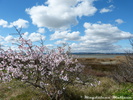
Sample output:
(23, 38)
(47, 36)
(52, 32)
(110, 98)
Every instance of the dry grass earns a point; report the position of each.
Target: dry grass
(17, 90)
(106, 88)
(101, 67)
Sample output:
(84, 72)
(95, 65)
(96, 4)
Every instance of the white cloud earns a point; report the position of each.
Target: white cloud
(9, 38)
(108, 9)
(3, 23)
(104, 33)
(59, 14)
(109, 1)
(49, 45)
(119, 21)
(85, 8)
(104, 10)
(13, 47)
(60, 42)
(36, 37)
(95, 48)
(41, 30)
(65, 35)
(20, 23)
(25, 35)
(1, 38)
(100, 38)
(99, 22)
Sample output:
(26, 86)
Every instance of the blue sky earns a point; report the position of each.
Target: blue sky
(86, 25)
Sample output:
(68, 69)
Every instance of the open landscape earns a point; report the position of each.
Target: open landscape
(98, 82)
(66, 50)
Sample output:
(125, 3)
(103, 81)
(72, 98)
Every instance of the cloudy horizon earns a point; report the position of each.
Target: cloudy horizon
(103, 26)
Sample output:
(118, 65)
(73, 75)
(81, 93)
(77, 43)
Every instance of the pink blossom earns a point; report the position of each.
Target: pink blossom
(30, 64)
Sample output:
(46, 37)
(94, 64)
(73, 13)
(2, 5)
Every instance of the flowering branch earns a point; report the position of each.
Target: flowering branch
(50, 70)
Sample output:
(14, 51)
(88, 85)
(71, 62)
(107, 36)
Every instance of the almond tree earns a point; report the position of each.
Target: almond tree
(50, 70)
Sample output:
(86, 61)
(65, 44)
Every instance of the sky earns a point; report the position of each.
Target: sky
(95, 26)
